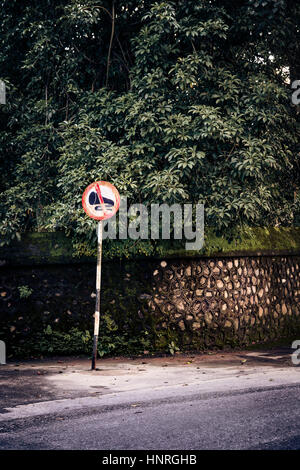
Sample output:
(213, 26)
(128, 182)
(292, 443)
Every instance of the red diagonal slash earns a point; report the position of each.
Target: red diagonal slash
(98, 191)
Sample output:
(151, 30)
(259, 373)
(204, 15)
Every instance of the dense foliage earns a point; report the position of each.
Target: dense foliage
(180, 101)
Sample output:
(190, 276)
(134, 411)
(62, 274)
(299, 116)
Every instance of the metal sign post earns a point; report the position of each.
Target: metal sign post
(100, 201)
(2, 92)
(98, 293)
(2, 353)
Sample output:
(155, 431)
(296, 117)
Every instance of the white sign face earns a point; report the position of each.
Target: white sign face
(100, 200)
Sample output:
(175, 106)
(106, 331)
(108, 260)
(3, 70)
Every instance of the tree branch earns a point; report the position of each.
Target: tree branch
(111, 41)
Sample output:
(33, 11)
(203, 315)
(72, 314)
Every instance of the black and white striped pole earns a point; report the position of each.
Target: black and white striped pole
(98, 293)
(101, 201)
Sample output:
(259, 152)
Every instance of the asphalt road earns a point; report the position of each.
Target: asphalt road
(254, 418)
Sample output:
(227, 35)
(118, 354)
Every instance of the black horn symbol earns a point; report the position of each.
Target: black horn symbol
(94, 201)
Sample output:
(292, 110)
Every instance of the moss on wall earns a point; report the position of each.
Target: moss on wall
(150, 305)
(46, 282)
(55, 248)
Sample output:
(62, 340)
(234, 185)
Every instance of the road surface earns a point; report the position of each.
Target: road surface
(185, 407)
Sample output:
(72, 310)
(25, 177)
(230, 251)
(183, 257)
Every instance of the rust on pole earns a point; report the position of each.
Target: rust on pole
(98, 294)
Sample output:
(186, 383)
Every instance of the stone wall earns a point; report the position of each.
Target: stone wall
(229, 300)
(194, 303)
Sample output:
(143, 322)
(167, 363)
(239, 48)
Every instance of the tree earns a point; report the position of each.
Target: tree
(170, 101)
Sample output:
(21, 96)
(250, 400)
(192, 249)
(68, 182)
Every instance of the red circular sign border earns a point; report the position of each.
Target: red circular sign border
(114, 190)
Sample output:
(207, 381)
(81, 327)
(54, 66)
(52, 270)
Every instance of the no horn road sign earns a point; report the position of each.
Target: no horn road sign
(101, 200)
